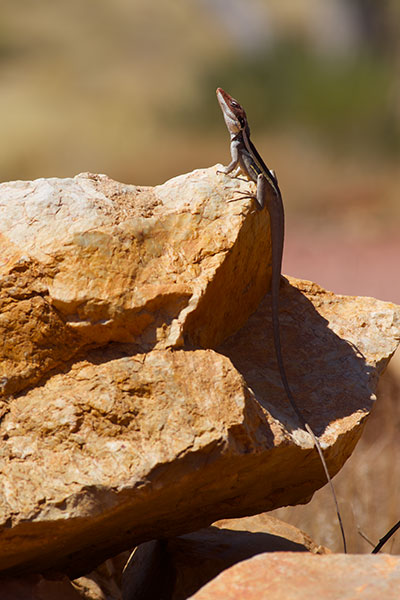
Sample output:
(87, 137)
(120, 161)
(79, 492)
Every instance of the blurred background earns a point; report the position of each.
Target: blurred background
(127, 88)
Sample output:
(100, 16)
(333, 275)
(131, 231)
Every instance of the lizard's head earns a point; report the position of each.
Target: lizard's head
(234, 115)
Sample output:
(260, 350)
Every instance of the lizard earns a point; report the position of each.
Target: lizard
(245, 158)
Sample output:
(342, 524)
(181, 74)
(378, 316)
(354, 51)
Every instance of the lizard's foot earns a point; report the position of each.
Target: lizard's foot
(232, 174)
(241, 197)
(244, 197)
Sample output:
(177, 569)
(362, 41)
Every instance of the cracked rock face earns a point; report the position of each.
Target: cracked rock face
(141, 396)
(88, 261)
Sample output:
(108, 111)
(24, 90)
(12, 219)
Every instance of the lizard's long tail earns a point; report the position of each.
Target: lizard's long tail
(277, 225)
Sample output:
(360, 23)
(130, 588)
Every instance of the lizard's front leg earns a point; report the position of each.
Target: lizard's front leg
(235, 162)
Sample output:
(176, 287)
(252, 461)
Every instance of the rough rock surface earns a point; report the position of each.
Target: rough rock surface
(147, 420)
(283, 536)
(87, 261)
(176, 568)
(105, 582)
(37, 587)
(295, 576)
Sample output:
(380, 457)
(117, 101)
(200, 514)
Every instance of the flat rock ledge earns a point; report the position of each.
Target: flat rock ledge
(140, 392)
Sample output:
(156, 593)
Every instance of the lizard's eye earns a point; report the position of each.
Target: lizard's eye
(234, 104)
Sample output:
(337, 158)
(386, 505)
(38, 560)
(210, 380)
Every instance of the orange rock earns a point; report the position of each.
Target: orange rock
(177, 567)
(147, 435)
(295, 576)
(37, 587)
(89, 260)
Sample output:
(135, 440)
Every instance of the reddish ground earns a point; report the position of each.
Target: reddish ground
(359, 268)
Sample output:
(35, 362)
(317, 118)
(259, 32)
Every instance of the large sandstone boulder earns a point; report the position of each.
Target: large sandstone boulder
(88, 261)
(141, 397)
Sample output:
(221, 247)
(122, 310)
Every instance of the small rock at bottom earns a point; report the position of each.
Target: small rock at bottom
(298, 576)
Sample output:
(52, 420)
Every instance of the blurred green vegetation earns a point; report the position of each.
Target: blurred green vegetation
(345, 103)
(129, 89)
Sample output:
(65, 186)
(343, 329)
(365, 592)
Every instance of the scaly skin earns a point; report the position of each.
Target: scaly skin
(246, 158)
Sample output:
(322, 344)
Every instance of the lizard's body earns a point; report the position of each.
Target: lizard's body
(245, 156)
